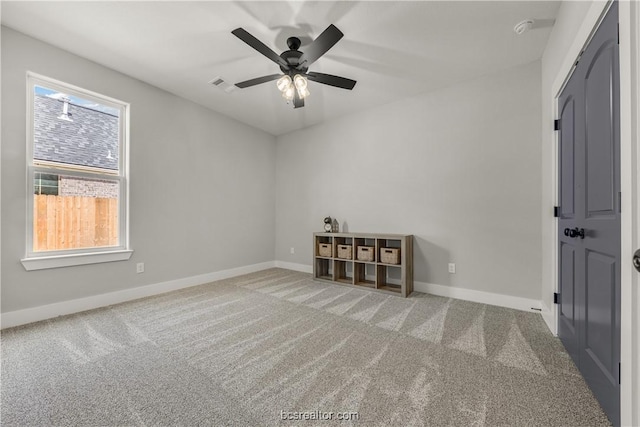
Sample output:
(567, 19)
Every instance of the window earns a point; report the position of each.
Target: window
(45, 183)
(77, 176)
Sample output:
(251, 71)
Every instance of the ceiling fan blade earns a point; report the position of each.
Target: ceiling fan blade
(258, 80)
(328, 79)
(243, 35)
(297, 101)
(321, 45)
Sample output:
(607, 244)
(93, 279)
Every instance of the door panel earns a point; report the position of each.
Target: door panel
(599, 133)
(571, 132)
(589, 174)
(567, 202)
(600, 309)
(567, 308)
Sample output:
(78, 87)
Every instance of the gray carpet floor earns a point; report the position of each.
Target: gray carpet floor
(240, 351)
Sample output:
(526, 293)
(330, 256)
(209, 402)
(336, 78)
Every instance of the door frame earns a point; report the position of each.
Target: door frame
(629, 22)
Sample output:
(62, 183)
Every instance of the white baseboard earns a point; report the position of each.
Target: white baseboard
(29, 315)
(35, 314)
(303, 268)
(518, 303)
(549, 318)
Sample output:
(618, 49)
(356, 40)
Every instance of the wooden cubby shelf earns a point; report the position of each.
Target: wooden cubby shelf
(383, 262)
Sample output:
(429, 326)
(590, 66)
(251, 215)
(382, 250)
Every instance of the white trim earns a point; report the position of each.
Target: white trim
(518, 303)
(29, 315)
(508, 301)
(84, 255)
(303, 268)
(629, 17)
(634, 415)
(549, 318)
(68, 260)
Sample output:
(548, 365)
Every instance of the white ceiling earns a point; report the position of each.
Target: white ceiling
(393, 49)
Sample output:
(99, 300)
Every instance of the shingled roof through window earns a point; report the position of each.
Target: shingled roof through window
(91, 139)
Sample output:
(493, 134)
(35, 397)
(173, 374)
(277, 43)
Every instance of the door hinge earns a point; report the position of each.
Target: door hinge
(556, 298)
(619, 374)
(575, 64)
(556, 211)
(618, 33)
(556, 124)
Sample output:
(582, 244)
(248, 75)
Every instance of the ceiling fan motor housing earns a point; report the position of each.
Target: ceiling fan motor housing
(292, 57)
(293, 43)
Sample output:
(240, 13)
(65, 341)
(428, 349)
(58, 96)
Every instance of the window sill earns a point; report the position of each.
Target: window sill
(56, 261)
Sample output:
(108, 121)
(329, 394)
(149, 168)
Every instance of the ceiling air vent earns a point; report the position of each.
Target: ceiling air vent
(222, 85)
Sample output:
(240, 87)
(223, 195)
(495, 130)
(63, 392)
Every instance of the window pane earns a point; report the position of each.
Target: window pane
(83, 214)
(75, 131)
(45, 183)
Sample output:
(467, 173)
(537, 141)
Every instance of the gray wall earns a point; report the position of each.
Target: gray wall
(202, 185)
(458, 168)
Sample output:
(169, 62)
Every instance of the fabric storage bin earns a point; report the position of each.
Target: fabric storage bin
(365, 253)
(390, 255)
(324, 249)
(344, 251)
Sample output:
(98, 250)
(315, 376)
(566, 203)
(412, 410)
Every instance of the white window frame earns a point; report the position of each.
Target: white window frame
(70, 257)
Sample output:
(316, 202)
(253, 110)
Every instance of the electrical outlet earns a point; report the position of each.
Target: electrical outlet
(452, 268)
(292, 251)
(140, 267)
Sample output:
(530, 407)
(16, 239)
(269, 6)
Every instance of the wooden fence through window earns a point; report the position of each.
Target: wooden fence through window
(72, 222)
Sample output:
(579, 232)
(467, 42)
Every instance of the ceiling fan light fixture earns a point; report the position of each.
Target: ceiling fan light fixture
(303, 93)
(288, 93)
(283, 83)
(300, 82)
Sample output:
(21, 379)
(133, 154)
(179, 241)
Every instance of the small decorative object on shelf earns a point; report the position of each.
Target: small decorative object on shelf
(335, 227)
(381, 262)
(328, 224)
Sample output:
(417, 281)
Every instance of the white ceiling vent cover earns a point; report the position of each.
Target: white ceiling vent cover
(222, 85)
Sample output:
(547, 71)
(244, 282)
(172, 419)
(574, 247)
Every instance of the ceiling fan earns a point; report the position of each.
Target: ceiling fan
(295, 65)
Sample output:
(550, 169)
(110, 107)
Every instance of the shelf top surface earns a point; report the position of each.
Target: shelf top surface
(364, 235)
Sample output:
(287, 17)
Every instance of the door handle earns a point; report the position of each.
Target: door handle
(575, 232)
(636, 260)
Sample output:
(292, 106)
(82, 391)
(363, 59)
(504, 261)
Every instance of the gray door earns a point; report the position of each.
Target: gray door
(589, 215)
